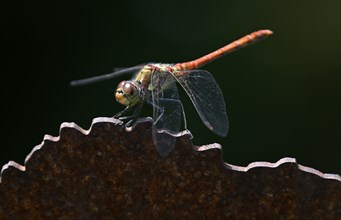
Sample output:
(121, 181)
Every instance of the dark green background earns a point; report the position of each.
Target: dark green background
(283, 94)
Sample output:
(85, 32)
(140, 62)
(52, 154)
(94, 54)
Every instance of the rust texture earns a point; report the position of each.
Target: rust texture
(110, 173)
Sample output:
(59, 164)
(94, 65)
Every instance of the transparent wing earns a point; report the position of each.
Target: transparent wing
(167, 111)
(117, 72)
(207, 98)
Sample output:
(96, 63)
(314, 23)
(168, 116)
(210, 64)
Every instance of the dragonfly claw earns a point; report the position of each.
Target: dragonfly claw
(130, 123)
(127, 124)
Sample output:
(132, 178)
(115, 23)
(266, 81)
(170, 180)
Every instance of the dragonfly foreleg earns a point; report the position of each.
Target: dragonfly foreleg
(124, 111)
(122, 115)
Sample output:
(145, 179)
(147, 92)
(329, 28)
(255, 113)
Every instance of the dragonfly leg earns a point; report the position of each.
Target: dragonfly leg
(134, 116)
(183, 113)
(161, 110)
(119, 114)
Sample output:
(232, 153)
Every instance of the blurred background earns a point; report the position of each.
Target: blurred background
(283, 94)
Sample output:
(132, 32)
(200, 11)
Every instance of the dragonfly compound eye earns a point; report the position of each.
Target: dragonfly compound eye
(129, 88)
(126, 93)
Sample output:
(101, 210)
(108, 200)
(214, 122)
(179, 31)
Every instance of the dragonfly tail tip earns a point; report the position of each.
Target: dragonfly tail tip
(268, 32)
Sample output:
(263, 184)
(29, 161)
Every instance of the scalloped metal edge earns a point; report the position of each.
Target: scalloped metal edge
(265, 164)
(186, 132)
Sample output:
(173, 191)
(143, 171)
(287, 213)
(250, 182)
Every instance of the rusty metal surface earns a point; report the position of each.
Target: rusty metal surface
(107, 172)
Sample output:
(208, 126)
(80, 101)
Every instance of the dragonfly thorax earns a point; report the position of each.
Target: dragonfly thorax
(128, 93)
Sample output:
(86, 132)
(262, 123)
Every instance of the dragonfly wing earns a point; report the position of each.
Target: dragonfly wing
(167, 110)
(99, 78)
(207, 98)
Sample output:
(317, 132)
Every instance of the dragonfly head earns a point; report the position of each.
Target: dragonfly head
(127, 93)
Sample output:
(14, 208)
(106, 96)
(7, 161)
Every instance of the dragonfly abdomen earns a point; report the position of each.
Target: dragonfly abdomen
(235, 45)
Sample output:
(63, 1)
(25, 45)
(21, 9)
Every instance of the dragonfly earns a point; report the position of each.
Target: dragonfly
(156, 84)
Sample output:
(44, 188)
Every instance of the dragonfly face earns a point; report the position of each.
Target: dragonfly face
(128, 93)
